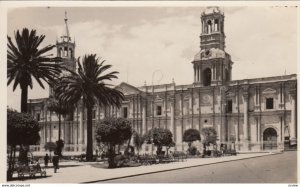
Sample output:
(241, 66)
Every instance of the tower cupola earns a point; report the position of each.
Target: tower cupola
(66, 48)
(212, 35)
(212, 65)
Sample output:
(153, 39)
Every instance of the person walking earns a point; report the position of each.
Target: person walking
(46, 160)
(55, 161)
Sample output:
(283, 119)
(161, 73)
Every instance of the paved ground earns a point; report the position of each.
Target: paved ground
(279, 168)
(75, 172)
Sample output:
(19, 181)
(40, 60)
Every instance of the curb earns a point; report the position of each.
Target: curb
(184, 167)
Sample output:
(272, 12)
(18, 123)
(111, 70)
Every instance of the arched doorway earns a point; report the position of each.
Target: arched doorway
(206, 77)
(270, 139)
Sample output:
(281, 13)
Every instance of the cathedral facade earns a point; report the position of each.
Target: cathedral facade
(254, 114)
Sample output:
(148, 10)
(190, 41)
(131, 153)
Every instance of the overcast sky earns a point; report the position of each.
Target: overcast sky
(262, 41)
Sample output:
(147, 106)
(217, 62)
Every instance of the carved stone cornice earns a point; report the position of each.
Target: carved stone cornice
(292, 85)
(293, 92)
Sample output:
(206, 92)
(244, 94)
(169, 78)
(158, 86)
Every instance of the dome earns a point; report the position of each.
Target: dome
(209, 54)
(211, 10)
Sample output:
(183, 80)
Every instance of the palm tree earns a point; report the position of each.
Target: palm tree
(89, 84)
(25, 61)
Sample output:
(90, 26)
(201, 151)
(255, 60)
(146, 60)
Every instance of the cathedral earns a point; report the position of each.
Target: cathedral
(255, 114)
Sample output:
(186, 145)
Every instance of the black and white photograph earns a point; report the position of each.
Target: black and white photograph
(149, 92)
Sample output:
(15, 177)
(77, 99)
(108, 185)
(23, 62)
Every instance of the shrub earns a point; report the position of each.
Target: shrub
(113, 132)
(159, 137)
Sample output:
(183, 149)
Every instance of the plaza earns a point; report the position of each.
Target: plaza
(98, 173)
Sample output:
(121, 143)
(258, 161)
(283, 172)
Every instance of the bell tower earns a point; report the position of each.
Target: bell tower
(212, 65)
(66, 48)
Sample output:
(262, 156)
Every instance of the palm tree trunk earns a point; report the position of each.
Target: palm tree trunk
(24, 96)
(89, 147)
(111, 156)
(59, 126)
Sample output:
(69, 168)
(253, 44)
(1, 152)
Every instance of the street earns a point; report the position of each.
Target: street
(279, 168)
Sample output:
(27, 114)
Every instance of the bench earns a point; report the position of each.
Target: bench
(31, 171)
(229, 152)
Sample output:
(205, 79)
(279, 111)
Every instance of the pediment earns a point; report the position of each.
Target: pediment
(128, 89)
(269, 91)
(158, 99)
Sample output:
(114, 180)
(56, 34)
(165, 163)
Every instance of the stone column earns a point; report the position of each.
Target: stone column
(282, 127)
(81, 108)
(190, 110)
(50, 130)
(259, 132)
(199, 74)
(236, 133)
(293, 139)
(45, 124)
(144, 130)
(245, 125)
(213, 73)
(220, 133)
(283, 96)
(195, 73)
(172, 103)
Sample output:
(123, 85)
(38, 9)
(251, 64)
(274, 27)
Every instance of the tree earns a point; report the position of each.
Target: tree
(138, 141)
(113, 132)
(159, 137)
(25, 60)
(210, 136)
(22, 129)
(191, 135)
(89, 84)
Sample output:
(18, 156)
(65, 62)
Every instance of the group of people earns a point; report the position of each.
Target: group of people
(55, 161)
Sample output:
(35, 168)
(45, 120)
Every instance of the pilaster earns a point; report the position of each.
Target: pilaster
(245, 125)
(293, 127)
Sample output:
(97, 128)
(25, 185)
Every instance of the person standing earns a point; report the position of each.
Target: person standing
(55, 161)
(46, 160)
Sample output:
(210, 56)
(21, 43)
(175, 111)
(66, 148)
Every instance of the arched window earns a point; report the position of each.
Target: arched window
(222, 27)
(206, 76)
(216, 25)
(60, 52)
(66, 52)
(209, 26)
(71, 53)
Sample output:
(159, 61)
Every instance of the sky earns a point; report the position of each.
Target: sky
(158, 44)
